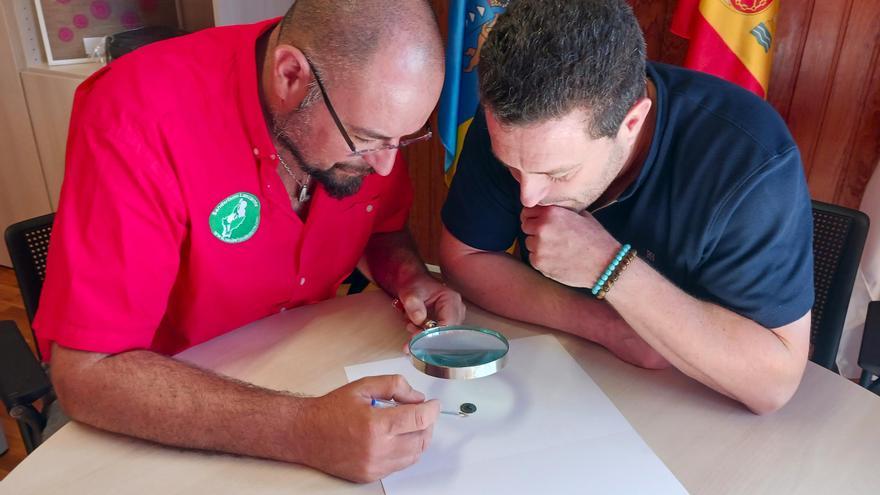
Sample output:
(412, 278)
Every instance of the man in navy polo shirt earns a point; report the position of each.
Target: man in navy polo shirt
(582, 150)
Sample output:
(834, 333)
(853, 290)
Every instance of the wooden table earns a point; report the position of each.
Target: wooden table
(824, 441)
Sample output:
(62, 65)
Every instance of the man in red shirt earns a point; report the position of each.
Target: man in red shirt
(222, 177)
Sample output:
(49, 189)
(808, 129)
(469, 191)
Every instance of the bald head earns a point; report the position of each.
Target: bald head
(381, 65)
(346, 34)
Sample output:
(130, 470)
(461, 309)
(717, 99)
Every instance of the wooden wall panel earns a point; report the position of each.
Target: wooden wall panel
(832, 149)
(196, 14)
(788, 51)
(815, 77)
(652, 19)
(426, 170)
(825, 83)
(856, 102)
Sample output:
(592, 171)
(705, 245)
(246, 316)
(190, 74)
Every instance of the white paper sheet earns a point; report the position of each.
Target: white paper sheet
(542, 426)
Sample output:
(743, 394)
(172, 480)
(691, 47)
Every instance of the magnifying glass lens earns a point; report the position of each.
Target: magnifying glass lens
(459, 352)
(458, 348)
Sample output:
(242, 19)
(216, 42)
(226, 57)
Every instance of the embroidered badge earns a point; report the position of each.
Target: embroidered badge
(236, 218)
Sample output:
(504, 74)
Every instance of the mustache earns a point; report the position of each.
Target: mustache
(286, 142)
(362, 170)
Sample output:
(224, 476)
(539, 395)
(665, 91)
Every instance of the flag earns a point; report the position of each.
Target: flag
(732, 39)
(469, 24)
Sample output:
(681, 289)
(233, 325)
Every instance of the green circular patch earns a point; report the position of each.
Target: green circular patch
(236, 218)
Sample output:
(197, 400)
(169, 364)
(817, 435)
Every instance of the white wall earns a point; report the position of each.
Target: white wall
(867, 284)
(247, 11)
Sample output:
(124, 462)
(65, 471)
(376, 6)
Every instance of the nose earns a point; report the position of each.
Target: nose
(531, 190)
(382, 161)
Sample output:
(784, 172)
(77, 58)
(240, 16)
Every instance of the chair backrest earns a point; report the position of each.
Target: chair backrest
(838, 239)
(28, 244)
(869, 354)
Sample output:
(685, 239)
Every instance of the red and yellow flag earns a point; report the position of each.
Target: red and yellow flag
(731, 39)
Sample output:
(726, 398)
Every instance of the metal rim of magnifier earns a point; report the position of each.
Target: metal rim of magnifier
(459, 372)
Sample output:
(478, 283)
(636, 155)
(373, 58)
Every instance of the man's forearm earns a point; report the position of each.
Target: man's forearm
(393, 260)
(149, 396)
(504, 285)
(728, 352)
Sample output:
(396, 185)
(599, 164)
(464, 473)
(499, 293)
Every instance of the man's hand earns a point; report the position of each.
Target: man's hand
(346, 437)
(425, 298)
(573, 249)
(398, 269)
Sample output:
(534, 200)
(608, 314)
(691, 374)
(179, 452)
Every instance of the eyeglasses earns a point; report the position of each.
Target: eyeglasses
(422, 135)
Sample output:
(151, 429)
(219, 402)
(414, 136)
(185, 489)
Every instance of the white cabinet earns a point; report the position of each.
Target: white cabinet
(23, 191)
(36, 101)
(49, 94)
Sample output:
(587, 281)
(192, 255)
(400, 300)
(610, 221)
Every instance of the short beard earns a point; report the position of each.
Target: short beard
(336, 184)
(579, 202)
(612, 169)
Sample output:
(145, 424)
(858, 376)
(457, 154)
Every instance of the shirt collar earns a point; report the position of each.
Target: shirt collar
(659, 125)
(248, 92)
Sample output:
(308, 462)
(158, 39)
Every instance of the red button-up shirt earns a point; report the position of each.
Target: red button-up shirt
(174, 226)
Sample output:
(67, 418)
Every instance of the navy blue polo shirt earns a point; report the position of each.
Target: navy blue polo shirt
(720, 208)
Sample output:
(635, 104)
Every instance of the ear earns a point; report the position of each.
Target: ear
(291, 74)
(634, 119)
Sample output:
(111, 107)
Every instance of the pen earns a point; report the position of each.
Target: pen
(390, 403)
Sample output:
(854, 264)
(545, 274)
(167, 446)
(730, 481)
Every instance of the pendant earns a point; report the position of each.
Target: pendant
(304, 194)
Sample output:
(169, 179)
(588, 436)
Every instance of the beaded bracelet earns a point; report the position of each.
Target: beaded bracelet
(611, 267)
(612, 271)
(620, 268)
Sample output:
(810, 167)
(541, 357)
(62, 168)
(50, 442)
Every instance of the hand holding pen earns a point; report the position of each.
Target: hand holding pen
(341, 434)
(382, 403)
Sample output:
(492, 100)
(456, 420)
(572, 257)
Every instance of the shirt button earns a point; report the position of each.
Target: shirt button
(369, 208)
(283, 309)
(256, 152)
(302, 281)
(272, 157)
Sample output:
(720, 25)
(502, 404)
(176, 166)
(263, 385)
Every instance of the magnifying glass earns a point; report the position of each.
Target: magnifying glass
(458, 352)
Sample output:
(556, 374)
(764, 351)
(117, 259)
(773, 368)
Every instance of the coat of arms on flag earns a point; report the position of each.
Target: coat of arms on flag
(732, 39)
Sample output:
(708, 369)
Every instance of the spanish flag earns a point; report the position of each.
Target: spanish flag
(731, 39)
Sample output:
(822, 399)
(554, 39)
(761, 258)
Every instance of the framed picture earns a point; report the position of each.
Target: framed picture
(66, 24)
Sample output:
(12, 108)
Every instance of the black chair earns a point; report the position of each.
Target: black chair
(23, 381)
(869, 353)
(357, 282)
(838, 239)
(28, 244)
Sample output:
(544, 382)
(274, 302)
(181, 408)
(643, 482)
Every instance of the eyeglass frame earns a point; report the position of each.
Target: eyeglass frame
(354, 151)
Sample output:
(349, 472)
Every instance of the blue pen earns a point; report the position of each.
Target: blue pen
(382, 403)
